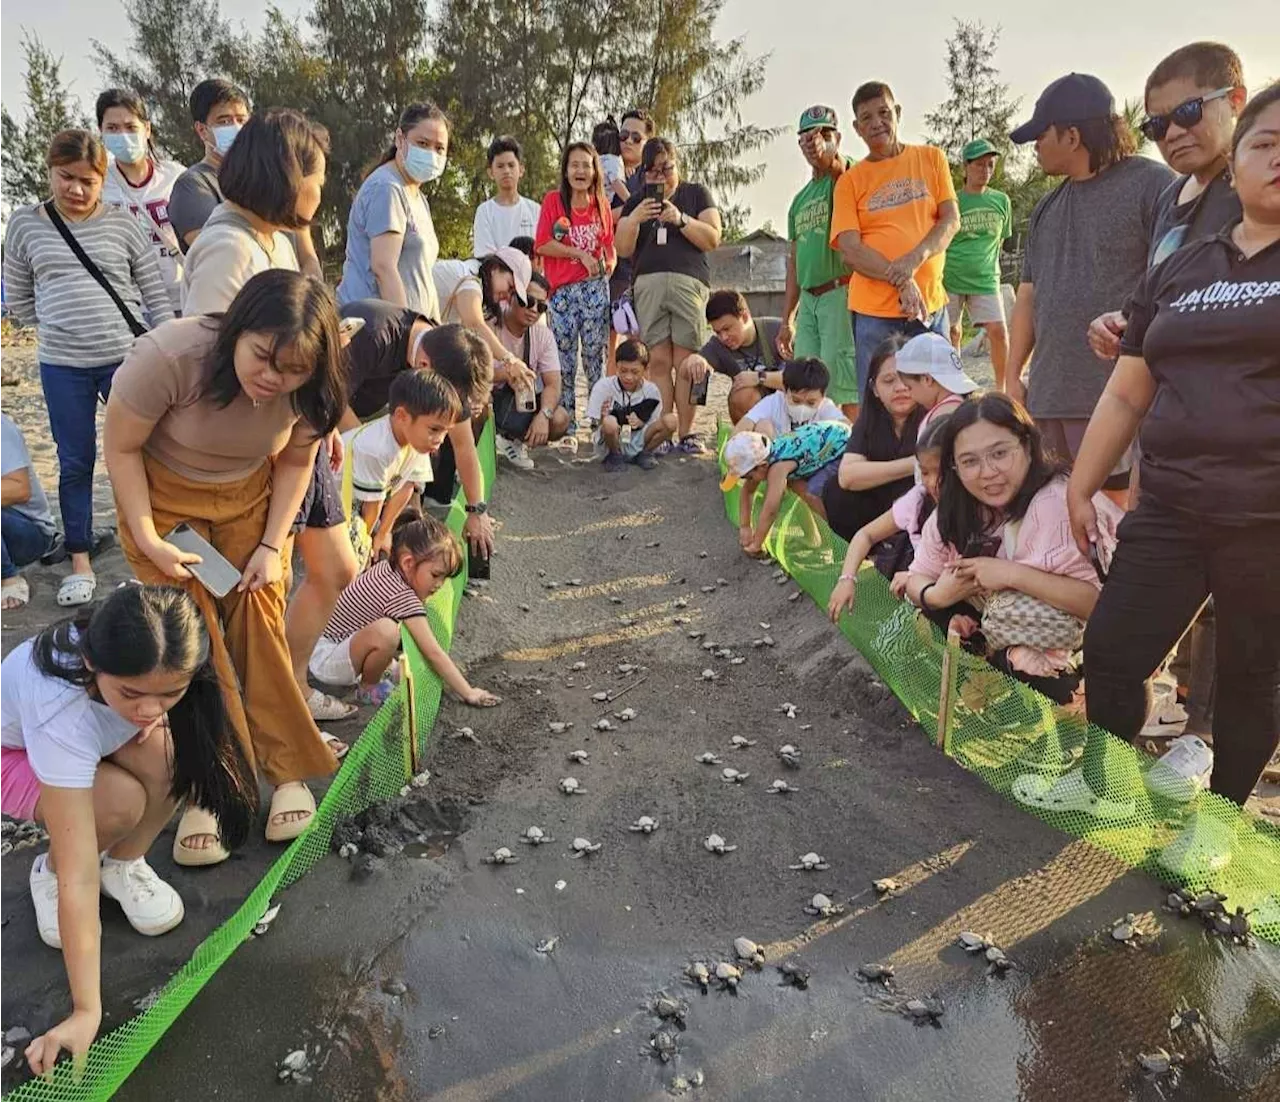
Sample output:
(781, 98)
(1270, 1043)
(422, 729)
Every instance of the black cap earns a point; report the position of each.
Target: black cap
(1068, 100)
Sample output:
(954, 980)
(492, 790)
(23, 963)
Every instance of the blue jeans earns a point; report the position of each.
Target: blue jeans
(869, 331)
(72, 394)
(23, 540)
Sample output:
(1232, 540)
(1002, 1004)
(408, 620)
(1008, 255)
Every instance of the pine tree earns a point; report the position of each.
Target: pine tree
(979, 105)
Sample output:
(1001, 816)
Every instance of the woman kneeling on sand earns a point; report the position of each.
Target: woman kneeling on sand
(108, 720)
(198, 410)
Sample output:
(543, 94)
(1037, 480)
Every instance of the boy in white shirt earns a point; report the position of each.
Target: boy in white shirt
(802, 399)
(625, 411)
(508, 214)
(390, 456)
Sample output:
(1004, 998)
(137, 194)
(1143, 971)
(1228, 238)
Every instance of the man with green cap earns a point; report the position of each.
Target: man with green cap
(815, 319)
(972, 274)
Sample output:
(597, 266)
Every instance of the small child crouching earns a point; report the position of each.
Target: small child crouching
(363, 635)
(626, 412)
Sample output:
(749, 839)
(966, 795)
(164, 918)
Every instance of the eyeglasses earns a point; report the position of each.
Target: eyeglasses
(667, 170)
(631, 135)
(1000, 458)
(1186, 115)
(539, 304)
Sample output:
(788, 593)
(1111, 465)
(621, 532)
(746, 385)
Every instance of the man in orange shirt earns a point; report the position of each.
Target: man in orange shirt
(893, 216)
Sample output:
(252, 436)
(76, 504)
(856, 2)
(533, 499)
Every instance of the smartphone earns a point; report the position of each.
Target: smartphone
(698, 391)
(348, 328)
(215, 572)
(654, 192)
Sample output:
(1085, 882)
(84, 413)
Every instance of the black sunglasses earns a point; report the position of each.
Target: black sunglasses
(538, 304)
(1186, 115)
(630, 136)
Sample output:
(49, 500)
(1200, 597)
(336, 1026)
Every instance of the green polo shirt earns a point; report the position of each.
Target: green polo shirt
(973, 257)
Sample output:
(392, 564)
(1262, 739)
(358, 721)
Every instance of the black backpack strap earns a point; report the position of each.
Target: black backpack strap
(135, 326)
(528, 346)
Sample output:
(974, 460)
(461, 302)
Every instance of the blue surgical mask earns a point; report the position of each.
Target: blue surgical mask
(128, 148)
(423, 165)
(223, 136)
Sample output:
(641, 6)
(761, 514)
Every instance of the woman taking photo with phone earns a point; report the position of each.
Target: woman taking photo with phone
(108, 720)
(668, 228)
(575, 235)
(200, 408)
(83, 273)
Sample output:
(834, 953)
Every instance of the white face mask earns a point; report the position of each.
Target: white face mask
(800, 413)
(128, 148)
(423, 165)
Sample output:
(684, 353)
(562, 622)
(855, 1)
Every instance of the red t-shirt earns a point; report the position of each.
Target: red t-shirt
(587, 230)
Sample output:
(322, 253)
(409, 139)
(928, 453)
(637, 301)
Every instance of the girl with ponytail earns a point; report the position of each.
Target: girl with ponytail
(109, 720)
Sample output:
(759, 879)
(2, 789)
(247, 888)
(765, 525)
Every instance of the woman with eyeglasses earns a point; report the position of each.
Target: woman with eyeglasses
(668, 228)
(1199, 374)
(1000, 541)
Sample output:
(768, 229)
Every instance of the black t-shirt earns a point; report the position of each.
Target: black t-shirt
(620, 278)
(678, 254)
(762, 354)
(1215, 208)
(1206, 322)
(378, 353)
(878, 442)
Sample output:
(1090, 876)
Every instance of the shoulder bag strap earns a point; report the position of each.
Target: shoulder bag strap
(135, 326)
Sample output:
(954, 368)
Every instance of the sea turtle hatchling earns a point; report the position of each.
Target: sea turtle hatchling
(1126, 929)
(556, 727)
(795, 973)
(788, 709)
(626, 668)
(600, 697)
(664, 1044)
(876, 973)
(582, 847)
(886, 885)
(749, 952)
(670, 1009)
(973, 943)
(1185, 1017)
(997, 963)
(790, 755)
(811, 862)
(605, 724)
(536, 836)
(570, 786)
(731, 776)
(923, 1011)
(729, 975)
(780, 787)
(646, 824)
(501, 856)
(823, 906)
(700, 974)
(578, 667)
(681, 602)
(713, 843)
(626, 715)
(1159, 1062)
(708, 757)
(697, 633)
(741, 742)
(579, 756)
(710, 675)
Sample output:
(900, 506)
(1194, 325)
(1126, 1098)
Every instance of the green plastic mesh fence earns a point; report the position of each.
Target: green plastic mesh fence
(1009, 735)
(376, 768)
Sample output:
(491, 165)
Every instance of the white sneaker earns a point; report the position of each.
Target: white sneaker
(150, 905)
(1167, 717)
(1203, 847)
(514, 452)
(1182, 771)
(44, 894)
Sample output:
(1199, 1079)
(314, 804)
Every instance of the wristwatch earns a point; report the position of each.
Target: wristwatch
(478, 509)
(543, 412)
(684, 219)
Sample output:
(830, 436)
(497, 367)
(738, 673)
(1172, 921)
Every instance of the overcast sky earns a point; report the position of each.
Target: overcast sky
(821, 50)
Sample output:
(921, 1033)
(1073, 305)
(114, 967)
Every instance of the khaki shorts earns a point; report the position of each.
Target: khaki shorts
(983, 309)
(672, 307)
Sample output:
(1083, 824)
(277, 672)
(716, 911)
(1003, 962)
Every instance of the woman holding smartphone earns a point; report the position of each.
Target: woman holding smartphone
(198, 410)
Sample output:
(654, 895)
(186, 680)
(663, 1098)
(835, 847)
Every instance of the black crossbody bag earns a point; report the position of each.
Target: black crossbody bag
(135, 326)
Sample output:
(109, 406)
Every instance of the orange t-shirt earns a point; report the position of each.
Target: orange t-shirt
(892, 204)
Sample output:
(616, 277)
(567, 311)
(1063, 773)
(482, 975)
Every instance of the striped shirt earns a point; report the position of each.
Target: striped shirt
(379, 593)
(77, 324)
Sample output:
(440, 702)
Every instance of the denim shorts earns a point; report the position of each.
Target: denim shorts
(322, 504)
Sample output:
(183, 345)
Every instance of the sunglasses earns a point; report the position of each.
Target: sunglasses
(538, 304)
(630, 135)
(1186, 115)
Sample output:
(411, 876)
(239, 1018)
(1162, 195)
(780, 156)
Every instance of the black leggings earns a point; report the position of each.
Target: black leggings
(1165, 566)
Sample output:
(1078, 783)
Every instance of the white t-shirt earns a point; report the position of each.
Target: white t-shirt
(496, 225)
(774, 410)
(63, 730)
(452, 277)
(149, 205)
(608, 393)
(380, 466)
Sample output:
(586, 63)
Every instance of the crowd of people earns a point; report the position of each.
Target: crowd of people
(254, 415)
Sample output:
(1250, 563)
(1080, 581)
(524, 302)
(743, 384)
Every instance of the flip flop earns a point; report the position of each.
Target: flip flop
(335, 744)
(17, 590)
(77, 589)
(196, 821)
(1068, 793)
(297, 797)
(328, 709)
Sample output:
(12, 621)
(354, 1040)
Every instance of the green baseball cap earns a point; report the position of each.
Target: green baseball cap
(980, 147)
(818, 117)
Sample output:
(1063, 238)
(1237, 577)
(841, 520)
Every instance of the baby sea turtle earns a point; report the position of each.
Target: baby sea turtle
(749, 952)
(578, 666)
(501, 856)
(876, 973)
(605, 724)
(644, 825)
(790, 755)
(536, 836)
(708, 589)
(1159, 1062)
(571, 787)
(713, 843)
(928, 1010)
(737, 661)
(763, 641)
(1209, 903)
(615, 600)
(729, 975)
(795, 973)
(579, 756)
(558, 728)
(1125, 929)
(811, 862)
(547, 945)
(574, 581)
(710, 645)
(664, 1044)
(787, 709)
(600, 698)
(697, 633)
(1240, 925)
(1176, 903)
(724, 652)
(700, 974)
(670, 1009)
(710, 675)
(732, 776)
(886, 885)
(823, 906)
(780, 787)
(1185, 1017)
(708, 757)
(997, 963)
(626, 667)
(626, 715)
(973, 943)
(681, 602)
(583, 846)
(741, 742)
